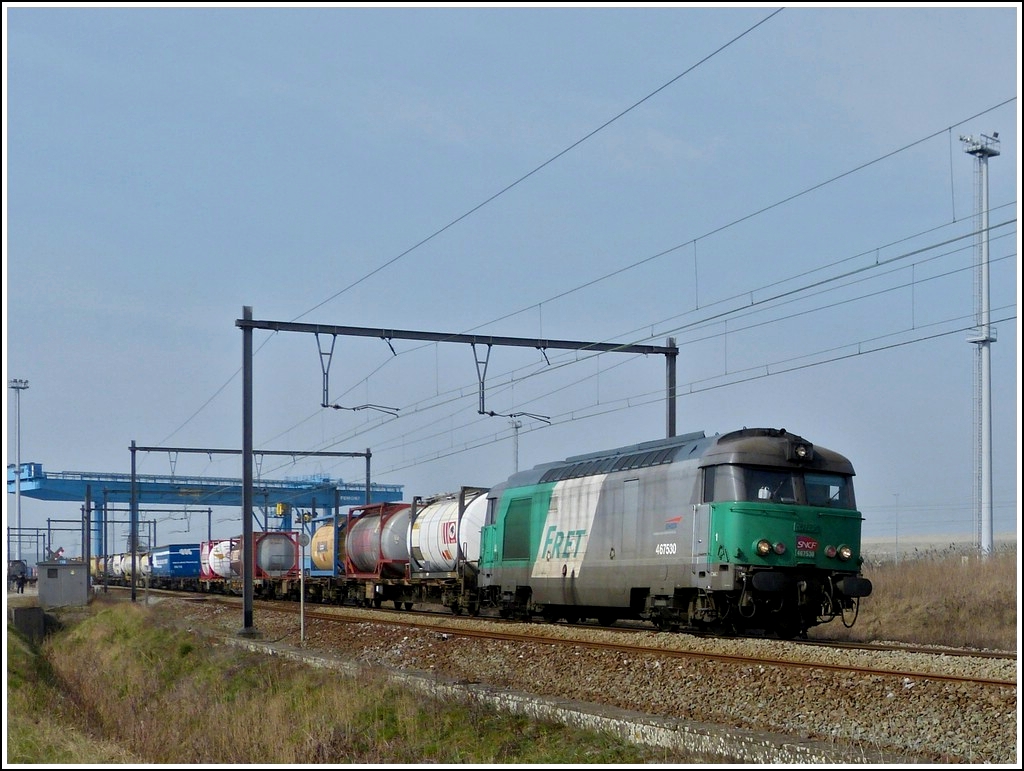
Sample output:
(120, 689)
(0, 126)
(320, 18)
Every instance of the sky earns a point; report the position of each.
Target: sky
(782, 191)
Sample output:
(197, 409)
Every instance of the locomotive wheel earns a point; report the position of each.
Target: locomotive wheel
(377, 603)
(606, 619)
(408, 606)
(398, 605)
(787, 629)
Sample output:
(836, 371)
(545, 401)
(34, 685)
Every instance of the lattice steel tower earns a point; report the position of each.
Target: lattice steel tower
(982, 336)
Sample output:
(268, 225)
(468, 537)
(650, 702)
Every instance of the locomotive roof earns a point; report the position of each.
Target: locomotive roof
(761, 447)
(751, 446)
(630, 456)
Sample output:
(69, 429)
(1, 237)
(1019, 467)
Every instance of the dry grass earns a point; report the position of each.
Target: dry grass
(949, 597)
(128, 690)
(42, 721)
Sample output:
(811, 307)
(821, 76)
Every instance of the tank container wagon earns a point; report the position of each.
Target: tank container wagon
(276, 566)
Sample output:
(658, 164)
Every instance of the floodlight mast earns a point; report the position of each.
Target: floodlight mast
(983, 335)
(18, 386)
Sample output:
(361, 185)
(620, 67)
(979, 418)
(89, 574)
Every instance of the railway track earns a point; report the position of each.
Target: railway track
(439, 617)
(879, 700)
(906, 662)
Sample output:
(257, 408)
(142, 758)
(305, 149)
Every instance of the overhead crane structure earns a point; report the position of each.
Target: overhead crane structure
(96, 491)
(174, 490)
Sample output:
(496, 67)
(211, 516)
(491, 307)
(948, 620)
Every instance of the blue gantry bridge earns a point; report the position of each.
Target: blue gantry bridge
(311, 492)
(98, 491)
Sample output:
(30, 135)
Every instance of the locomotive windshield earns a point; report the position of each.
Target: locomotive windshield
(756, 483)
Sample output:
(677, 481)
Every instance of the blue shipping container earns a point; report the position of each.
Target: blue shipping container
(175, 561)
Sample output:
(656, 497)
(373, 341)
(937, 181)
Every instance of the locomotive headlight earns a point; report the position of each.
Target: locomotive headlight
(800, 452)
(845, 552)
(780, 548)
(763, 548)
(830, 552)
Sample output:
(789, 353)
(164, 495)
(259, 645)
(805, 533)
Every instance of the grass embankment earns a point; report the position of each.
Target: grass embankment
(43, 721)
(118, 688)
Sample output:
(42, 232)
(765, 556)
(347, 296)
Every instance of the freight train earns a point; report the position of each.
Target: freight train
(750, 532)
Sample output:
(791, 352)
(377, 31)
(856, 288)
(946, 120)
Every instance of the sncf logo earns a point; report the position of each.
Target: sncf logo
(805, 543)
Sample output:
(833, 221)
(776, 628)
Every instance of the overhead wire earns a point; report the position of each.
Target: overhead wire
(619, 271)
(652, 397)
(549, 161)
(493, 197)
(725, 379)
(411, 409)
(459, 392)
(801, 293)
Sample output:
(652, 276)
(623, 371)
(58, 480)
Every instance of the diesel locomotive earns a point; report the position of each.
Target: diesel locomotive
(754, 531)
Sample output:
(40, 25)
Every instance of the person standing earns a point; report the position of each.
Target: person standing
(21, 584)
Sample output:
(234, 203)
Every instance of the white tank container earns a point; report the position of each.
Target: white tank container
(436, 534)
(277, 553)
(141, 564)
(370, 540)
(226, 559)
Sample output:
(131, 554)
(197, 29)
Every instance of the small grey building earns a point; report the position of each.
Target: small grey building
(63, 584)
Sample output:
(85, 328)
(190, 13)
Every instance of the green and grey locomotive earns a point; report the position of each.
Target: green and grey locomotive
(753, 531)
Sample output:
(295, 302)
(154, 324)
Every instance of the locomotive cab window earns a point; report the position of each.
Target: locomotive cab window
(831, 490)
(753, 483)
(768, 485)
(748, 483)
